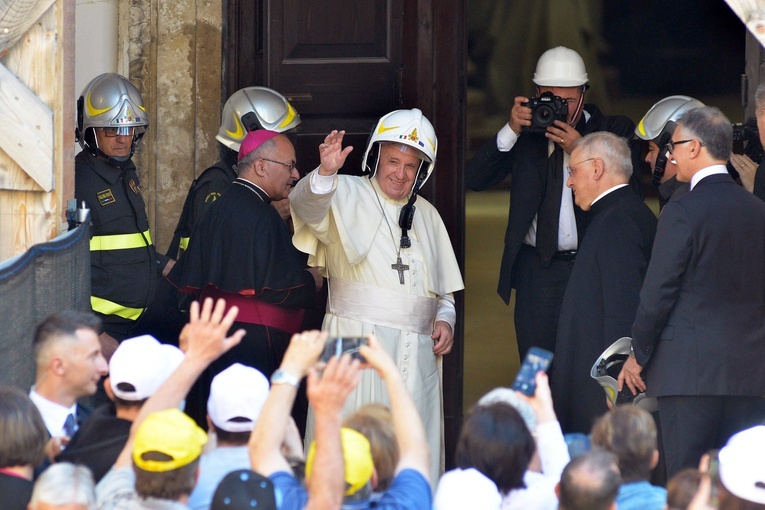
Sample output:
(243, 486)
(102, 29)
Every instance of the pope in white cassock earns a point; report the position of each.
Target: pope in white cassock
(390, 273)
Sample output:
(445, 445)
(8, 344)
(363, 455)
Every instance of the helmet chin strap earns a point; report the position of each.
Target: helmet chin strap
(579, 107)
(661, 161)
(117, 161)
(406, 216)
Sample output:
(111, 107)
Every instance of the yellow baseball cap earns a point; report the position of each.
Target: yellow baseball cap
(357, 456)
(172, 434)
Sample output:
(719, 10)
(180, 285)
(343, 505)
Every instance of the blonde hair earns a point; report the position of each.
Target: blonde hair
(630, 433)
(375, 422)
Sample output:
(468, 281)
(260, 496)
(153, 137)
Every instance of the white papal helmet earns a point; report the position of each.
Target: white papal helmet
(606, 372)
(560, 67)
(254, 108)
(110, 102)
(409, 128)
(658, 125)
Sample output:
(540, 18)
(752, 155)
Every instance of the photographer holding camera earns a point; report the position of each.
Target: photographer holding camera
(544, 225)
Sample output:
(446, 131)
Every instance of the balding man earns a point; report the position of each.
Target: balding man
(604, 289)
(590, 482)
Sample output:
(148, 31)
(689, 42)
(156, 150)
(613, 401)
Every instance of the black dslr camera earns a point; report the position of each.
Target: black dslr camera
(746, 139)
(545, 110)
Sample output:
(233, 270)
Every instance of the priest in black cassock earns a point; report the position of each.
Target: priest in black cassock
(241, 250)
(603, 292)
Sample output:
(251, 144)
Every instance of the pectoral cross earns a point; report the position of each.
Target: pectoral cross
(400, 267)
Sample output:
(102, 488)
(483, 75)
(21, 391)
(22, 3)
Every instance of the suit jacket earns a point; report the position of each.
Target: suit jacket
(600, 302)
(83, 414)
(700, 326)
(527, 162)
(98, 442)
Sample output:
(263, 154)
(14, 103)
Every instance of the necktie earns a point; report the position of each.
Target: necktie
(548, 216)
(70, 425)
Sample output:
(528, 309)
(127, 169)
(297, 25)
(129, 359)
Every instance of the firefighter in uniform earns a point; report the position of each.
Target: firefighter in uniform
(125, 267)
(246, 110)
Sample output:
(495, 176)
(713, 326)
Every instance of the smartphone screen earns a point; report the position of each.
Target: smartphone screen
(536, 359)
(345, 345)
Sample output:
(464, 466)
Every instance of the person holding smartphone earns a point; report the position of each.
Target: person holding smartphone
(544, 225)
(504, 456)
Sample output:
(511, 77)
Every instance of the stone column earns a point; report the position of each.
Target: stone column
(171, 49)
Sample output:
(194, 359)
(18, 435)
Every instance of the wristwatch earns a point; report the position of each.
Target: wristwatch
(284, 377)
(632, 351)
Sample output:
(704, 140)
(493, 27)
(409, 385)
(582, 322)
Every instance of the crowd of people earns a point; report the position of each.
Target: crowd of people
(215, 388)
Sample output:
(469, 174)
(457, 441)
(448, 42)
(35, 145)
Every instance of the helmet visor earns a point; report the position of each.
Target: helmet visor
(111, 132)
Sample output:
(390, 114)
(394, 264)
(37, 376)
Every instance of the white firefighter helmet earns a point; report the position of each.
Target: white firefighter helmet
(662, 118)
(606, 372)
(560, 67)
(409, 128)
(254, 108)
(110, 101)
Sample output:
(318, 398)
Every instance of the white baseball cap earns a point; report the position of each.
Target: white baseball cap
(237, 392)
(742, 464)
(145, 364)
(466, 488)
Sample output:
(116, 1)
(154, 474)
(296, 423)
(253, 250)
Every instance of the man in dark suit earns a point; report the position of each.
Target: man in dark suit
(69, 364)
(544, 226)
(700, 326)
(603, 292)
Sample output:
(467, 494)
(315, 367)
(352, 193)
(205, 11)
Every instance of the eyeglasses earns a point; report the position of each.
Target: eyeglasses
(671, 144)
(290, 166)
(571, 167)
(111, 132)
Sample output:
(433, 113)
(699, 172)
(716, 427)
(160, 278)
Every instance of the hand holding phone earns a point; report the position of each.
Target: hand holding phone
(345, 345)
(536, 359)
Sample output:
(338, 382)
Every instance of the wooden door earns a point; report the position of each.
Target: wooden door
(338, 62)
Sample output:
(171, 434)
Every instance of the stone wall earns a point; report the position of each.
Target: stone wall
(172, 50)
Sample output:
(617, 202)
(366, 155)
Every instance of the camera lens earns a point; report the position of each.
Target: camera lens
(543, 116)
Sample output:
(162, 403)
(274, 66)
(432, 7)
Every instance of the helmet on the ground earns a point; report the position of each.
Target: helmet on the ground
(560, 67)
(606, 372)
(110, 101)
(254, 108)
(408, 128)
(659, 124)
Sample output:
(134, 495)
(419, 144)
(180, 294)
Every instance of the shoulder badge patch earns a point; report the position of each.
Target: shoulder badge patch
(134, 186)
(212, 197)
(105, 197)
